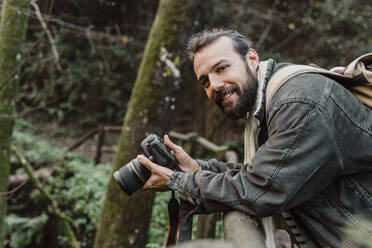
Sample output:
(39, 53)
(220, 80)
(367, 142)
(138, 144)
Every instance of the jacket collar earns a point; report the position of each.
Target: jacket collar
(265, 70)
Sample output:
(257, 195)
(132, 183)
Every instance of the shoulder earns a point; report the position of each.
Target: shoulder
(306, 88)
(297, 99)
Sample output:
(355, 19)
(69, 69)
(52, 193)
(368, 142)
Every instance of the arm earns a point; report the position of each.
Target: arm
(216, 166)
(188, 164)
(160, 175)
(297, 162)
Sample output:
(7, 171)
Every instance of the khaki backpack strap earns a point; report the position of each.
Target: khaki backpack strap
(358, 71)
(284, 74)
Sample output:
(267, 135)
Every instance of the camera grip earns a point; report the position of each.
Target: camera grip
(155, 149)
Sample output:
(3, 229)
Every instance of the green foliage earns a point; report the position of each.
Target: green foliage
(325, 32)
(159, 221)
(91, 84)
(237, 146)
(98, 66)
(159, 225)
(24, 229)
(219, 229)
(37, 152)
(80, 187)
(77, 184)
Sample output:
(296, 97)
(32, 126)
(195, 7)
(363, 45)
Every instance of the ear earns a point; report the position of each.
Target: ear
(253, 59)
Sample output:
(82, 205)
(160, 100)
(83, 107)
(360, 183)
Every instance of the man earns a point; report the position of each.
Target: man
(315, 146)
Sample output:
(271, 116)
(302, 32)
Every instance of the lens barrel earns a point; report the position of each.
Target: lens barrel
(132, 176)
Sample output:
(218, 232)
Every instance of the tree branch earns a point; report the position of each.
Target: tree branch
(264, 34)
(49, 34)
(16, 180)
(54, 205)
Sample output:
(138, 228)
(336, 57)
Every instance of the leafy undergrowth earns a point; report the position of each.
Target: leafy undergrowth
(76, 183)
(159, 221)
(79, 187)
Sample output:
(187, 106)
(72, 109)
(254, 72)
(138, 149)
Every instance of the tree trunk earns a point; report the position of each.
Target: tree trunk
(124, 220)
(12, 33)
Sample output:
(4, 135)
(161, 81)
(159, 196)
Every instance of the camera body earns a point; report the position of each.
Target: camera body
(154, 148)
(132, 176)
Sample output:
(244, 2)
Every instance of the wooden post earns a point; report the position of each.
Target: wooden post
(100, 142)
(239, 227)
(85, 137)
(243, 230)
(190, 145)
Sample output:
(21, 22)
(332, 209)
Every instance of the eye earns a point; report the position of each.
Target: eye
(205, 83)
(221, 68)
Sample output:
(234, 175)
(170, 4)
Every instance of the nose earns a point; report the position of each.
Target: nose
(216, 83)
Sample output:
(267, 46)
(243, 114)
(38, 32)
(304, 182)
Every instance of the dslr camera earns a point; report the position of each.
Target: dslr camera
(132, 176)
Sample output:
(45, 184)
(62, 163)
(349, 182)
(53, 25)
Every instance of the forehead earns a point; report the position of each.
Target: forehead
(222, 48)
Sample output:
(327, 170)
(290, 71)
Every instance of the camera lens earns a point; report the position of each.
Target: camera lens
(132, 176)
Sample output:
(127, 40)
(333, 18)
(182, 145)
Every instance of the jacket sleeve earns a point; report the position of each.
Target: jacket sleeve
(217, 166)
(298, 161)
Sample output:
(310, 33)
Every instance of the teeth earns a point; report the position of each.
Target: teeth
(227, 96)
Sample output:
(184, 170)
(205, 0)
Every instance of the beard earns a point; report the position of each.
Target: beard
(246, 97)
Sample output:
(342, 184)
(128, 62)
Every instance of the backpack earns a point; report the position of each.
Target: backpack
(356, 77)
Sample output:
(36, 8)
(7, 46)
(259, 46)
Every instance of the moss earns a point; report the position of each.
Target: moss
(12, 33)
(125, 220)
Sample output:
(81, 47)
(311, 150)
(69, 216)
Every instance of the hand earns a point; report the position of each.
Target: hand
(159, 175)
(185, 162)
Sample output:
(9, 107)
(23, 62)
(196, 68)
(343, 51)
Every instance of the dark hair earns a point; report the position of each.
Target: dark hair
(199, 40)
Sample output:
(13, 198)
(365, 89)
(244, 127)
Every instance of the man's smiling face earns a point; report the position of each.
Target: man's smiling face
(227, 77)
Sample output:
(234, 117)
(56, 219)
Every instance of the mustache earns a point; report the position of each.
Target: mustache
(219, 95)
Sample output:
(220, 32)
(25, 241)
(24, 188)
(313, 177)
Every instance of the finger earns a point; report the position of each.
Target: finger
(147, 163)
(170, 144)
(147, 185)
(151, 183)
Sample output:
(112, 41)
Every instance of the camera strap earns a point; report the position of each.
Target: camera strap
(187, 210)
(174, 220)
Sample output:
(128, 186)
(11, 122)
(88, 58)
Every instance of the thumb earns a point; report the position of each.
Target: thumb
(170, 144)
(147, 162)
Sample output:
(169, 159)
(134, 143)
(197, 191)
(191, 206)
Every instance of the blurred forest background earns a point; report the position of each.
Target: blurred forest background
(86, 91)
